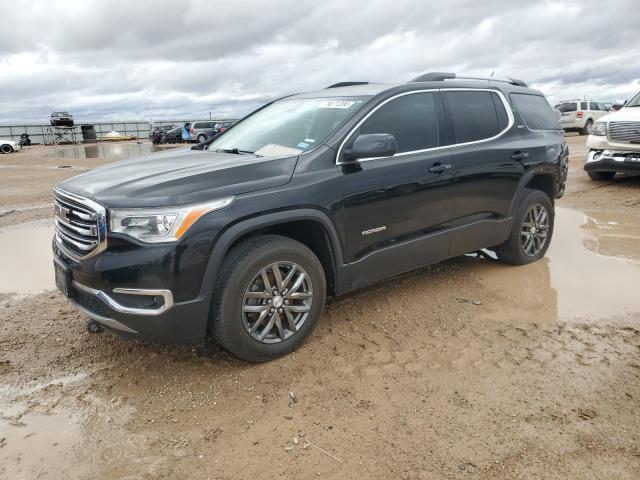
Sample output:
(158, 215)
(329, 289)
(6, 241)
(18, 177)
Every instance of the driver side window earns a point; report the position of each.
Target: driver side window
(411, 119)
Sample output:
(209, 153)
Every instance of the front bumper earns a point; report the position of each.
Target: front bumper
(612, 161)
(135, 302)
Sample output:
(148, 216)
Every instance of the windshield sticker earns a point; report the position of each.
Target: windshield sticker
(309, 140)
(336, 104)
(302, 145)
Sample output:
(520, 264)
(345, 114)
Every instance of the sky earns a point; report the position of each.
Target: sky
(141, 60)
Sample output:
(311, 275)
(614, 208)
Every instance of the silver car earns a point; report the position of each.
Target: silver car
(201, 130)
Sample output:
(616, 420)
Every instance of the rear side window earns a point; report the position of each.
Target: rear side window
(535, 111)
(566, 107)
(411, 119)
(584, 105)
(473, 115)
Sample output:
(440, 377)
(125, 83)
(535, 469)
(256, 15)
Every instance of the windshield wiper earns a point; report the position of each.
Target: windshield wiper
(236, 151)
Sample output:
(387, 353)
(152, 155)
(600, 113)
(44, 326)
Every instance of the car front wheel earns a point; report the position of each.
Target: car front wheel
(6, 148)
(270, 293)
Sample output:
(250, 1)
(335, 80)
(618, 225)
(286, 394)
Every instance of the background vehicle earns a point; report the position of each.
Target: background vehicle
(61, 119)
(8, 146)
(312, 195)
(202, 130)
(614, 143)
(580, 115)
(164, 128)
(173, 136)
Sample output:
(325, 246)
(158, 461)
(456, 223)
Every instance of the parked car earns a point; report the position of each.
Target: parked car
(580, 115)
(61, 119)
(173, 136)
(8, 146)
(202, 130)
(312, 195)
(614, 143)
(163, 128)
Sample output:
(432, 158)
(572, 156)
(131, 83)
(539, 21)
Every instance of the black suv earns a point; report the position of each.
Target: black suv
(314, 194)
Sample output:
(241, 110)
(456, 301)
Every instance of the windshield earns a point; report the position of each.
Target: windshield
(634, 102)
(566, 107)
(288, 127)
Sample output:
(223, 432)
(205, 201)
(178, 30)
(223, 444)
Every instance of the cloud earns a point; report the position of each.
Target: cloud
(160, 59)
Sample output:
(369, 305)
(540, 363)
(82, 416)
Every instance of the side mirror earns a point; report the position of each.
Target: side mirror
(372, 145)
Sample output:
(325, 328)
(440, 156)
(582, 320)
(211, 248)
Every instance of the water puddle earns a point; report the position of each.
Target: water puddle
(104, 150)
(26, 258)
(591, 272)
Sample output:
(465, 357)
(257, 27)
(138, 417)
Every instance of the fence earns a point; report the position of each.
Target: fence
(38, 132)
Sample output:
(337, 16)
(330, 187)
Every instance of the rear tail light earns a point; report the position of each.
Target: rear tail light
(579, 114)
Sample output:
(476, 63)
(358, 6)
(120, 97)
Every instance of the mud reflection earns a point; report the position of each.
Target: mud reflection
(26, 258)
(586, 275)
(105, 150)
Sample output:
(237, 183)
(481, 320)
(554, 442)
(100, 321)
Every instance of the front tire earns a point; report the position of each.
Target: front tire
(532, 230)
(6, 148)
(601, 176)
(270, 293)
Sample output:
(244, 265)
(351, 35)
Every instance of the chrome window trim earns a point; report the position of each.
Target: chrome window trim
(101, 224)
(502, 97)
(167, 295)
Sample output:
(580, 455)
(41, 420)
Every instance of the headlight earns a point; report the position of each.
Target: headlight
(599, 128)
(163, 224)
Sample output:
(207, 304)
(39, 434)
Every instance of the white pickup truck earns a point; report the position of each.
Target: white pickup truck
(614, 143)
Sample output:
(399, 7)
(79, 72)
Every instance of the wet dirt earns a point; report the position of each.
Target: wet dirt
(25, 256)
(466, 369)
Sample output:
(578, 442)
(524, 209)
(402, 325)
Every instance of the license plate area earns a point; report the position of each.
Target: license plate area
(62, 278)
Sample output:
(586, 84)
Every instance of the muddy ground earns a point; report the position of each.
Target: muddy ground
(466, 370)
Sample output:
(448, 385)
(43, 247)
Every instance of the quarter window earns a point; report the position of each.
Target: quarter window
(584, 105)
(473, 115)
(411, 119)
(535, 111)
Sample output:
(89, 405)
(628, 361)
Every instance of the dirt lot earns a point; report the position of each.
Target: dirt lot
(467, 369)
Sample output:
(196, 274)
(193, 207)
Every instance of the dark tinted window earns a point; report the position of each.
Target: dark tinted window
(473, 115)
(566, 107)
(411, 119)
(536, 111)
(584, 105)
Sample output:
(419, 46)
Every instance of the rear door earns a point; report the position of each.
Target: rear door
(392, 200)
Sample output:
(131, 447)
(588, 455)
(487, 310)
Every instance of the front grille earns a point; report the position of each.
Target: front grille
(627, 132)
(80, 225)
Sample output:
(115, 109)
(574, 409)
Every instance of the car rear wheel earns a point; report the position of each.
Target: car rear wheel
(6, 148)
(601, 176)
(531, 232)
(586, 130)
(201, 138)
(270, 293)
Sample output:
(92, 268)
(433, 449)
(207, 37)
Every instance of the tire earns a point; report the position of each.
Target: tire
(586, 130)
(235, 313)
(517, 250)
(202, 138)
(6, 148)
(601, 176)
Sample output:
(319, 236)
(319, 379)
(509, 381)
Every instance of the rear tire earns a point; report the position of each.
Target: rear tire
(601, 176)
(250, 301)
(532, 230)
(6, 148)
(586, 130)
(202, 138)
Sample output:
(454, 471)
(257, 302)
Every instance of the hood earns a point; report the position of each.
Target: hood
(626, 113)
(180, 176)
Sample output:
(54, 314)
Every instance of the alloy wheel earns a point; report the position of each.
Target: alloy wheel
(277, 302)
(534, 230)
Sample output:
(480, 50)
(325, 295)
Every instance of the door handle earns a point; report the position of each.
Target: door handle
(439, 168)
(520, 156)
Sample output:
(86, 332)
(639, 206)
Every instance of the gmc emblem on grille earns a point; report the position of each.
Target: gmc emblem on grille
(61, 212)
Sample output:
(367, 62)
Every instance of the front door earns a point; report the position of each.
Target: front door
(393, 202)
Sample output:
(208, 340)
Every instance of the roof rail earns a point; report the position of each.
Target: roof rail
(442, 76)
(347, 84)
